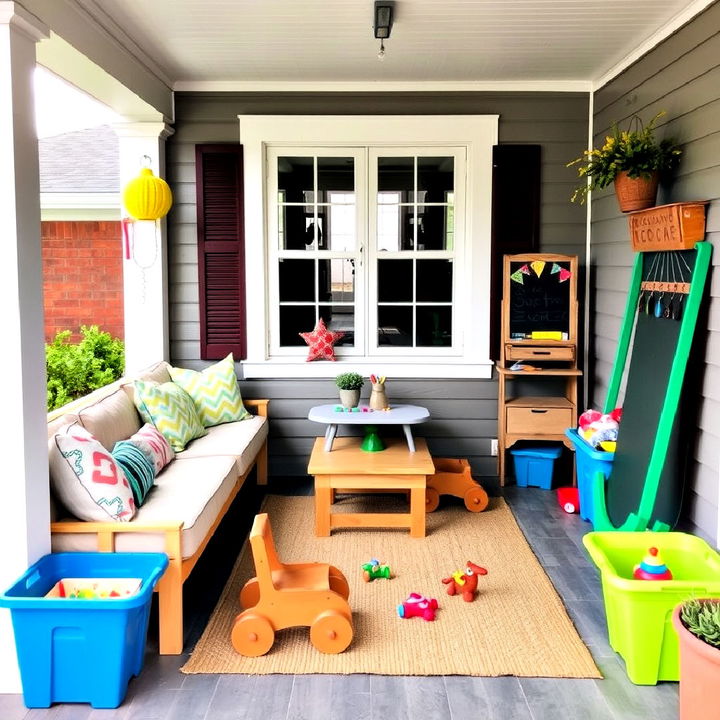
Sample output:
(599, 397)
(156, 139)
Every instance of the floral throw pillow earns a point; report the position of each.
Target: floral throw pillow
(214, 391)
(171, 410)
(153, 445)
(86, 478)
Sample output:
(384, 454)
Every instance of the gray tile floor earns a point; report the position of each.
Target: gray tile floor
(161, 692)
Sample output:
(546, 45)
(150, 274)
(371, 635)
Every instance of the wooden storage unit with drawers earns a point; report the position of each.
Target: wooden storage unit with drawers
(535, 297)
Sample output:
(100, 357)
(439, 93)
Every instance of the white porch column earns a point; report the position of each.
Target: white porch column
(25, 529)
(145, 272)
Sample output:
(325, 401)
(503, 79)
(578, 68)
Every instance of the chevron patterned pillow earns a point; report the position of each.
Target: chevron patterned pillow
(214, 391)
(171, 410)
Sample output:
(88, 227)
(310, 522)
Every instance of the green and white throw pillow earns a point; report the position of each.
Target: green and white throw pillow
(171, 410)
(214, 391)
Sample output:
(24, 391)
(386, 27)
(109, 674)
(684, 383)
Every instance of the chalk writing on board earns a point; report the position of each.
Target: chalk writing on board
(538, 303)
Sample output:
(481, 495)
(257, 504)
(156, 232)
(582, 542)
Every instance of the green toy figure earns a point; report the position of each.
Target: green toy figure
(374, 570)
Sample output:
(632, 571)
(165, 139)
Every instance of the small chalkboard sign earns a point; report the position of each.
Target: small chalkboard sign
(540, 297)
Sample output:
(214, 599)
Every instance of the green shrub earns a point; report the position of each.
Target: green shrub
(75, 369)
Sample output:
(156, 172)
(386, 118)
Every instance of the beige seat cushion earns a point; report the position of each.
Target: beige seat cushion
(192, 491)
(111, 419)
(241, 440)
(155, 373)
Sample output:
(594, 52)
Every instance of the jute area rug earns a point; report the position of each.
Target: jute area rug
(516, 626)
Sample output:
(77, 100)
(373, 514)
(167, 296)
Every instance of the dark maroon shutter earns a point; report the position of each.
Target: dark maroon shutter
(221, 257)
(515, 219)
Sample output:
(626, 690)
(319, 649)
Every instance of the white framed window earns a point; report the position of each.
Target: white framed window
(381, 226)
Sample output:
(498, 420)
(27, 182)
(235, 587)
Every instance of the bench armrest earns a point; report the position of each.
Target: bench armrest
(260, 405)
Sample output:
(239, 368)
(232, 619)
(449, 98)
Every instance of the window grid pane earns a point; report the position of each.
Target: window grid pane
(323, 222)
(424, 224)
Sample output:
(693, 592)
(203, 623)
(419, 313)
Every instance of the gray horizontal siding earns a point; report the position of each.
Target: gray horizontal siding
(680, 76)
(463, 418)
(464, 413)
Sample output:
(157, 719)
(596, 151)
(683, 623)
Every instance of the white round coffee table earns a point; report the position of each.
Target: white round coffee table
(405, 415)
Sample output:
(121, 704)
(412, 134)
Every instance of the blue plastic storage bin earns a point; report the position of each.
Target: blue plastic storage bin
(80, 649)
(534, 465)
(587, 462)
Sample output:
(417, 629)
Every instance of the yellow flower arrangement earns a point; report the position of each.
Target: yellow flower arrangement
(634, 151)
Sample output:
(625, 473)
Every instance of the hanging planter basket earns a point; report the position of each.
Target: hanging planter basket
(636, 193)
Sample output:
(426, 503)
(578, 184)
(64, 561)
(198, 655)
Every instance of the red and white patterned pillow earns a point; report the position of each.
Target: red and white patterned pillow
(153, 445)
(86, 478)
(321, 342)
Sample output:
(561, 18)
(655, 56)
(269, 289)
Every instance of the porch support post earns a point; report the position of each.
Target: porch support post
(145, 270)
(25, 529)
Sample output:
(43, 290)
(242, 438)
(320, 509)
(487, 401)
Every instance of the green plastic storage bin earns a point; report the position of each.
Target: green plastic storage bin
(639, 612)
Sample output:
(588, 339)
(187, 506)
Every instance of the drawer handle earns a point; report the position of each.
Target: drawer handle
(540, 412)
(541, 352)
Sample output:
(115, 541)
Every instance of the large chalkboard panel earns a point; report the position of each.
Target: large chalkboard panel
(540, 295)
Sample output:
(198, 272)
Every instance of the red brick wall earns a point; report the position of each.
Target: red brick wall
(82, 277)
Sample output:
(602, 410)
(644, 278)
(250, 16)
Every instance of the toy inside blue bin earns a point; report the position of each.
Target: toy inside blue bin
(81, 649)
(588, 461)
(534, 465)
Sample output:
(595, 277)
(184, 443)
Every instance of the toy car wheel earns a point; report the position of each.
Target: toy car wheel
(476, 499)
(432, 499)
(569, 507)
(252, 635)
(338, 583)
(331, 632)
(250, 594)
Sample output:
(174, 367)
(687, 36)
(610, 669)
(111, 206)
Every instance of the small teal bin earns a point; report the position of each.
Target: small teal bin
(80, 649)
(587, 463)
(534, 465)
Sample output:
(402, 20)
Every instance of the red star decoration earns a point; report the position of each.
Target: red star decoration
(321, 341)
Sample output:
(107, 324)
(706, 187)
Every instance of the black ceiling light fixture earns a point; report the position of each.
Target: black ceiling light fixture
(383, 22)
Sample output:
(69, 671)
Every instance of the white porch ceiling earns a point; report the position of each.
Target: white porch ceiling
(194, 44)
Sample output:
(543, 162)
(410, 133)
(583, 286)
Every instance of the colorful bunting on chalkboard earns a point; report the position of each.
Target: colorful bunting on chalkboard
(517, 277)
(538, 266)
(564, 275)
(525, 270)
(555, 269)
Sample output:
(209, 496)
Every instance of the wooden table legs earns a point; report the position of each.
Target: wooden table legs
(327, 485)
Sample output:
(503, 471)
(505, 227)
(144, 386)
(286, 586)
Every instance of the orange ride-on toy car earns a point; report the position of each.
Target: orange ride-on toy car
(452, 477)
(282, 596)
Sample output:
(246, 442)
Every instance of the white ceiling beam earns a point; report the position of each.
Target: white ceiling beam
(64, 60)
(81, 50)
(384, 86)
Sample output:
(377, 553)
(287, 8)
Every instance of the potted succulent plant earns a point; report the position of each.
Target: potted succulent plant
(697, 623)
(349, 384)
(633, 159)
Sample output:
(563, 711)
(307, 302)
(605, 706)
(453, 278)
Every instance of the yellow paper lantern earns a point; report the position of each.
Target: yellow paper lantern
(147, 197)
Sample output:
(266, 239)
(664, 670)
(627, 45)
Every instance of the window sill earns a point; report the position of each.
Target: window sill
(395, 368)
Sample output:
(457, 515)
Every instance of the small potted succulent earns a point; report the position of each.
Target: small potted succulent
(349, 384)
(632, 159)
(697, 623)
